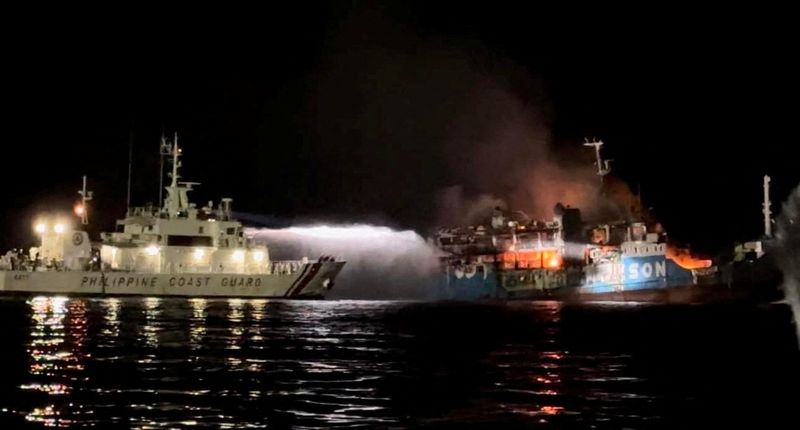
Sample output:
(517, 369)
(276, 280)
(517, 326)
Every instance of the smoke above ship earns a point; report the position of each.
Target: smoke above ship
(788, 235)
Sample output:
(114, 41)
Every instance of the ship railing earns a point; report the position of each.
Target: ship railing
(29, 265)
(143, 211)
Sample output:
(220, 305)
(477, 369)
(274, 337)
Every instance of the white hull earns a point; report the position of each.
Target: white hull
(313, 280)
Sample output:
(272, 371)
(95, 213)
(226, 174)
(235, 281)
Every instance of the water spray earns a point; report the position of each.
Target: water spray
(788, 235)
(382, 263)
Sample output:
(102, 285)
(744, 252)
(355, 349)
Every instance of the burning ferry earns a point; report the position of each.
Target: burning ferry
(515, 258)
(512, 256)
(177, 249)
(624, 261)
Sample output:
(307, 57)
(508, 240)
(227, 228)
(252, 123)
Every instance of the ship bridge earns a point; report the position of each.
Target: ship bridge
(180, 237)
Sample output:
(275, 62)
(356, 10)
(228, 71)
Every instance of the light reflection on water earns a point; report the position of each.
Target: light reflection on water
(152, 326)
(57, 337)
(197, 323)
(111, 316)
(175, 363)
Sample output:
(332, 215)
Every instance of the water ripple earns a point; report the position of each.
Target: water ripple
(156, 363)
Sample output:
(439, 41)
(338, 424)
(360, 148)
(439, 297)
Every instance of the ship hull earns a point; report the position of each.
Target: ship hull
(490, 282)
(682, 294)
(311, 281)
(673, 285)
(642, 293)
(753, 283)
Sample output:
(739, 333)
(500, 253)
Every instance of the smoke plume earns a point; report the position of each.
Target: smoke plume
(443, 130)
(788, 235)
(502, 153)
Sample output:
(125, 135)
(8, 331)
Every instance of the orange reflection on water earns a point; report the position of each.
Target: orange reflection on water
(551, 410)
(538, 410)
(552, 362)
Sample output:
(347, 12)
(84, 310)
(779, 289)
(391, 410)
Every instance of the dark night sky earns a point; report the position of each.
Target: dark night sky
(348, 111)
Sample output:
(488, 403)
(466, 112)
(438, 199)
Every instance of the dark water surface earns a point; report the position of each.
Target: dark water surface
(175, 363)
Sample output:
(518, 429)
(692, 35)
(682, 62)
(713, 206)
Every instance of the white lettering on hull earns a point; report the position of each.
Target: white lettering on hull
(195, 284)
(118, 281)
(645, 270)
(189, 281)
(633, 271)
(661, 269)
(101, 280)
(241, 282)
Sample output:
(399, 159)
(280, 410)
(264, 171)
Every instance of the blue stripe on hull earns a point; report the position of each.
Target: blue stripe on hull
(617, 287)
(629, 274)
(472, 288)
(678, 276)
(641, 273)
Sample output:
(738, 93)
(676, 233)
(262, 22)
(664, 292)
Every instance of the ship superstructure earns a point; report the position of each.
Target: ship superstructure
(509, 257)
(625, 257)
(179, 237)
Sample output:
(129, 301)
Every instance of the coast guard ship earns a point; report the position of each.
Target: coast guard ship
(177, 249)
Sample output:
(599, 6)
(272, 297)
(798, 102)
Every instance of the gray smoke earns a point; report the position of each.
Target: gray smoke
(455, 207)
(500, 151)
(443, 129)
(382, 263)
(788, 235)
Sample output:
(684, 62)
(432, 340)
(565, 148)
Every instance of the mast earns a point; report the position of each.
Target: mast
(176, 195)
(603, 166)
(85, 197)
(130, 169)
(176, 204)
(766, 210)
(165, 150)
(175, 152)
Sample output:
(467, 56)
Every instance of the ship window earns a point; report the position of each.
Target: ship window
(175, 240)
(231, 230)
(200, 230)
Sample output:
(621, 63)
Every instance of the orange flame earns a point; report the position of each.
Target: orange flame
(531, 259)
(682, 257)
